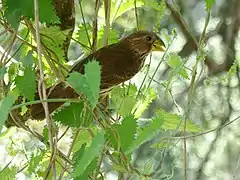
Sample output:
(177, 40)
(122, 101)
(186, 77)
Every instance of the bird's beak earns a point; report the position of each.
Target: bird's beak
(158, 45)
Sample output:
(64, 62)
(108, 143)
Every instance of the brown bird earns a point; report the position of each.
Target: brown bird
(119, 63)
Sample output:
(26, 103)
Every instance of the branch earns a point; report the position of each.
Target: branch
(43, 93)
(107, 8)
(95, 26)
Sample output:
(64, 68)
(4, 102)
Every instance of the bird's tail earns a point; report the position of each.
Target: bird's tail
(58, 91)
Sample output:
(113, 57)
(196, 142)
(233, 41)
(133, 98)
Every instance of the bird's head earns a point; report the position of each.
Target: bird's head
(144, 42)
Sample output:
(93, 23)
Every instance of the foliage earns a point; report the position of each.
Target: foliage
(89, 83)
(14, 10)
(82, 137)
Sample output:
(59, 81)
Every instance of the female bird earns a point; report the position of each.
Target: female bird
(119, 63)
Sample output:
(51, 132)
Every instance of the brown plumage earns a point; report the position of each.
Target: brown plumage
(119, 62)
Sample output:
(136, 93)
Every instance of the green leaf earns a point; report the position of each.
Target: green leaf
(119, 168)
(124, 99)
(35, 161)
(147, 133)
(53, 38)
(27, 83)
(177, 65)
(144, 101)
(126, 106)
(126, 133)
(8, 173)
(209, 4)
(79, 153)
(75, 115)
(28, 61)
(84, 137)
(15, 9)
(174, 61)
(172, 121)
(89, 155)
(2, 72)
(112, 37)
(91, 167)
(158, 6)
(45, 133)
(47, 12)
(5, 106)
(118, 10)
(82, 35)
(88, 84)
(12, 71)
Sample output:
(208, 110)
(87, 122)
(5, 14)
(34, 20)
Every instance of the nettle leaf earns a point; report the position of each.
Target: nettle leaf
(177, 65)
(209, 4)
(112, 37)
(148, 132)
(159, 7)
(126, 106)
(79, 153)
(124, 99)
(89, 83)
(12, 71)
(126, 133)
(144, 101)
(27, 83)
(5, 106)
(53, 38)
(75, 115)
(45, 133)
(91, 167)
(35, 161)
(155, 5)
(28, 61)
(120, 168)
(84, 137)
(89, 155)
(47, 12)
(82, 35)
(3, 71)
(172, 121)
(15, 9)
(118, 9)
(8, 173)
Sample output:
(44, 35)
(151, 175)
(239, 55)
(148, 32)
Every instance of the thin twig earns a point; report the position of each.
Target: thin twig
(237, 166)
(63, 134)
(99, 165)
(136, 14)
(43, 93)
(191, 92)
(107, 8)
(8, 49)
(69, 152)
(95, 26)
(84, 22)
(43, 100)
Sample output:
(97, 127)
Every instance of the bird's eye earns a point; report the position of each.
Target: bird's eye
(148, 38)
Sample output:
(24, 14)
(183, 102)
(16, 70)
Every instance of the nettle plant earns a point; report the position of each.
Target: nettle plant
(96, 141)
